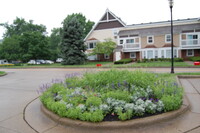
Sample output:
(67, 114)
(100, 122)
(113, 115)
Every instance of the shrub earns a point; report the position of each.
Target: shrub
(178, 59)
(194, 58)
(123, 61)
(171, 102)
(93, 101)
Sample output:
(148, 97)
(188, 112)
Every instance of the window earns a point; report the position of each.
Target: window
(129, 40)
(168, 53)
(91, 45)
(190, 52)
(162, 54)
(144, 54)
(168, 38)
(150, 39)
(106, 56)
(121, 41)
(133, 55)
(150, 54)
(175, 53)
(156, 54)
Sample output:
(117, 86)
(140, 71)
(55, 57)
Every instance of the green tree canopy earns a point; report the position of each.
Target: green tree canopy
(20, 26)
(34, 45)
(54, 43)
(105, 47)
(72, 45)
(86, 24)
(10, 48)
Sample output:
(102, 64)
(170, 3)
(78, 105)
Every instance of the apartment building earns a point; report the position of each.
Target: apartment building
(146, 40)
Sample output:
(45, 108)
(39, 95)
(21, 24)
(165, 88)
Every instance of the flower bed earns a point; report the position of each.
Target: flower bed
(108, 95)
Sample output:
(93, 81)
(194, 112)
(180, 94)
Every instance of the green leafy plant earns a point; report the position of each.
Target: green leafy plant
(123, 61)
(93, 101)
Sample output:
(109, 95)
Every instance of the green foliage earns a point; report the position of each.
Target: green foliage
(87, 24)
(10, 48)
(33, 46)
(24, 41)
(93, 101)
(123, 61)
(120, 95)
(72, 45)
(73, 113)
(195, 58)
(125, 116)
(54, 43)
(2, 73)
(105, 47)
(160, 60)
(20, 26)
(95, 116)
(171, 102)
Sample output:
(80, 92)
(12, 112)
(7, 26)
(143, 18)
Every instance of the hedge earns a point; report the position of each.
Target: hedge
(123, 61)
(194, 58)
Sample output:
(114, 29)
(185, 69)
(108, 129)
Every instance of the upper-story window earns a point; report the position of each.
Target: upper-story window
(91, 45)
(130, 41)
(168, 38)
(150, 39)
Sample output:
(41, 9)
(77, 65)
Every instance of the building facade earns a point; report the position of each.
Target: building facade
(147, 40)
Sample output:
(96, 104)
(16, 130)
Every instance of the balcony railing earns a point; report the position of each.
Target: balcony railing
(190, 43)
(132, 46)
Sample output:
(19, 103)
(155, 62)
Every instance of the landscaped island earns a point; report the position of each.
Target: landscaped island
(113, 95)
(2, 73)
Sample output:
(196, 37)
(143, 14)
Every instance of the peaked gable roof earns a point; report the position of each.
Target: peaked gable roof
(107, 21)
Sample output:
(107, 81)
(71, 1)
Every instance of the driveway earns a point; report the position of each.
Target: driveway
(18, 91)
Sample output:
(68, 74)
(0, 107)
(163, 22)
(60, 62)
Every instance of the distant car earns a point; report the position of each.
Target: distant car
(41, 61)
(16, 62)
(49, 62)
(59, 60)
(4, 61)
(31, 62)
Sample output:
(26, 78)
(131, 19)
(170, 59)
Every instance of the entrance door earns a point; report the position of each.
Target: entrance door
(118, 56)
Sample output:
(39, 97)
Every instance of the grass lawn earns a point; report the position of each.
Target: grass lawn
(58, 65)
(2, 73)
(105, 65)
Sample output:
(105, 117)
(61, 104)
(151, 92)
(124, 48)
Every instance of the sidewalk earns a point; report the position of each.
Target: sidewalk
(186, 123)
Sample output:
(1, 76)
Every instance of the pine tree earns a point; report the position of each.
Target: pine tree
(72, 46)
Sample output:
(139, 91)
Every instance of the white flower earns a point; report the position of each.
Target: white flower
(129, 106)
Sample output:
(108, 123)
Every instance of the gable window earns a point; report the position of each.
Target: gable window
(190, 52)
(150, 39)
(168, 38)
(130, 41)
(91, 45)
(133, 55)
(106, 56)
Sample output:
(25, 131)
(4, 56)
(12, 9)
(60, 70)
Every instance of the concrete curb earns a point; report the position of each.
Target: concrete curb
(120, 125)
(125, 125)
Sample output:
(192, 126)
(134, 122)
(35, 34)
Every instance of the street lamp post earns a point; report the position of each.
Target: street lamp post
(171, 3)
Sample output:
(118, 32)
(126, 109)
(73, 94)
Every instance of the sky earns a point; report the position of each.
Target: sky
(51, 13)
